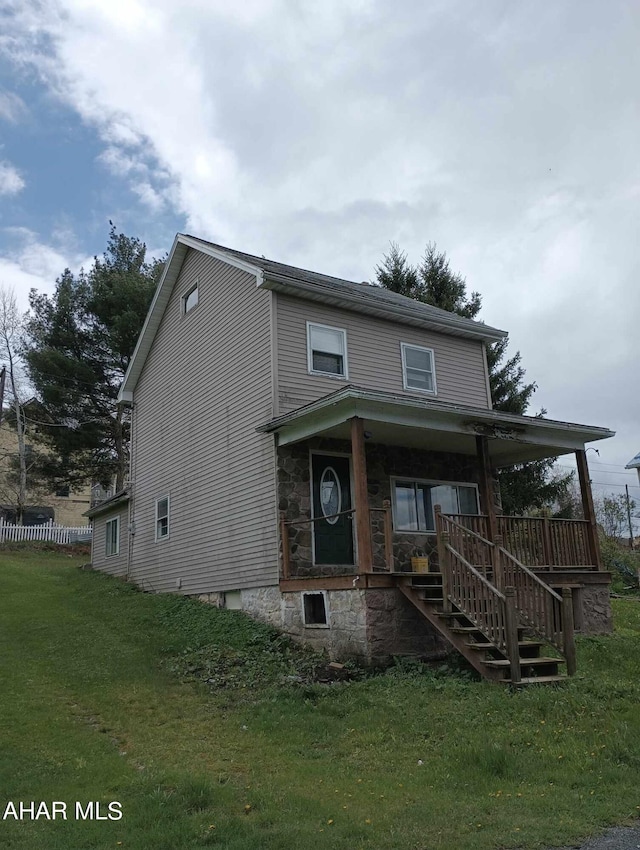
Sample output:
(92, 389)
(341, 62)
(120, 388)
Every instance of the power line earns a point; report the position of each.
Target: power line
(600, 463)
(604, 471)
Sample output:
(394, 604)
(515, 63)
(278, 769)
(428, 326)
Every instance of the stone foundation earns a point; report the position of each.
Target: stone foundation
(370, 626)
(396, 627)
(597, 618)
(373, 625)
(264, 604)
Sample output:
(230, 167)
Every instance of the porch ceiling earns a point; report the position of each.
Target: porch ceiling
(426, 424)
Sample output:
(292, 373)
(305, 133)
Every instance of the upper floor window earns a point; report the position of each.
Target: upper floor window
(414, 502)
(112, 537)
(418, 369)
(326, 350)
(162, 518)
(190, 299)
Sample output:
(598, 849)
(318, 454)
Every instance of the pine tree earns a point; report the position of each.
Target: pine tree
(396, 274)
(442, 288)
(79, 343)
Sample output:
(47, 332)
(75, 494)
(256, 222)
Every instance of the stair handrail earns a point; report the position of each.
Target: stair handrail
(542, 609)
(464, 528)
(460, 592)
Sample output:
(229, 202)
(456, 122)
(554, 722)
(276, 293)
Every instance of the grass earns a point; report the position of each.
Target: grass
(210, 732)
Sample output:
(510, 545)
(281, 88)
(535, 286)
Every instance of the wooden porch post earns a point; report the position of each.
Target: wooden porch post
(284, 538)
(388, 535)
(568, 638)
(486, 485)
(587, 507)
(361, 497)
(511, 629)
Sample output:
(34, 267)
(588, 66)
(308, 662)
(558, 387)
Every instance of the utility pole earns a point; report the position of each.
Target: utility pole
(3, 376)
(626, 488)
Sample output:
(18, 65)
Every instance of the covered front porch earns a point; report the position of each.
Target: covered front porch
(395, 499)
(396, 459)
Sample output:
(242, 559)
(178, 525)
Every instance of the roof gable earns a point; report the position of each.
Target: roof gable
(345, 294)
(634, 463)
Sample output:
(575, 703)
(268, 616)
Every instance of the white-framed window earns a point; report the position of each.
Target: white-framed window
(326, 350)
(112, 537)
(418, 368)
(190, 299)
(414, 502)
(162, 517)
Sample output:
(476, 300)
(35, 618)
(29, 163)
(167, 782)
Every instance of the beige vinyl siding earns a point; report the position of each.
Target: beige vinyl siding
(374, 357)
(205, 387)
(115, 565)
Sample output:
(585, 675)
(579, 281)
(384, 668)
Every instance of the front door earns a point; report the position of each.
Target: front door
(333, 535)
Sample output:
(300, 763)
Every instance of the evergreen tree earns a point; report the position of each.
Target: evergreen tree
(442, 288)
(525, 485)
(509, 392)
(397, 275)
(79, 344)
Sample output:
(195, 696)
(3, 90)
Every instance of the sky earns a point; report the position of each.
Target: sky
(506, 131)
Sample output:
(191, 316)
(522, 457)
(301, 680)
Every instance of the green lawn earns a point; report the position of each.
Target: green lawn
(100, 701)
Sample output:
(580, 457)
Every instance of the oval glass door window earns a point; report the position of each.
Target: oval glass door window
(330, 495)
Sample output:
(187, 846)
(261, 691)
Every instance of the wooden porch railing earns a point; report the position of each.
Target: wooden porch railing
(520, 590)
(545, 542)
(468, 536)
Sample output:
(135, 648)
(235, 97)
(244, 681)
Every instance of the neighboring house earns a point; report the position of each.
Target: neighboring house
(634, 463)
(64, 505)
(293, 435)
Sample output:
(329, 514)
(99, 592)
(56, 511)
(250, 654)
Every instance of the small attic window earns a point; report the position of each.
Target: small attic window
(190, 299)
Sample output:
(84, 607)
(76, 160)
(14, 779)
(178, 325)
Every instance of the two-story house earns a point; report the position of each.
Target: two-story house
(298, 439)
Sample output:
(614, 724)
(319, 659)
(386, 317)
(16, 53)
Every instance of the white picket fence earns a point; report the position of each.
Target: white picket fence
(49, 531)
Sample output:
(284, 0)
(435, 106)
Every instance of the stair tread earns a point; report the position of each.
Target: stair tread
(524, 662)
(451, 614)
(523, 643)
(536, 680)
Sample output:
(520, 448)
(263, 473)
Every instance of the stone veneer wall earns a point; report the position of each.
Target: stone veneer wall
(370, 626)
(597, 618)
(374, 625)
(294, 497)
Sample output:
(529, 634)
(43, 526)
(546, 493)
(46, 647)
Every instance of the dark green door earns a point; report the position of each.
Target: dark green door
(333, 535)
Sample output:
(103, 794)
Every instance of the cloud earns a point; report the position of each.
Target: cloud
(317, 133)
(33, 264)
(12, 107)
(11, 182)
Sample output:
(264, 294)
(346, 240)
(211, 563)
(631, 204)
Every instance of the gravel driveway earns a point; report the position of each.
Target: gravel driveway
(618, 838)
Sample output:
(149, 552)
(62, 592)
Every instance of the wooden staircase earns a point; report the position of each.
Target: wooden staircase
(498, 614)
(425, 592)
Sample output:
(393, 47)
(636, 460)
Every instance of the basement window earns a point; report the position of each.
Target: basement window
(314, 610)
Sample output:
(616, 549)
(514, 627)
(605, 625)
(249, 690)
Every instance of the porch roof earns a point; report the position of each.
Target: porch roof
(416, 422)
(115, 501)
